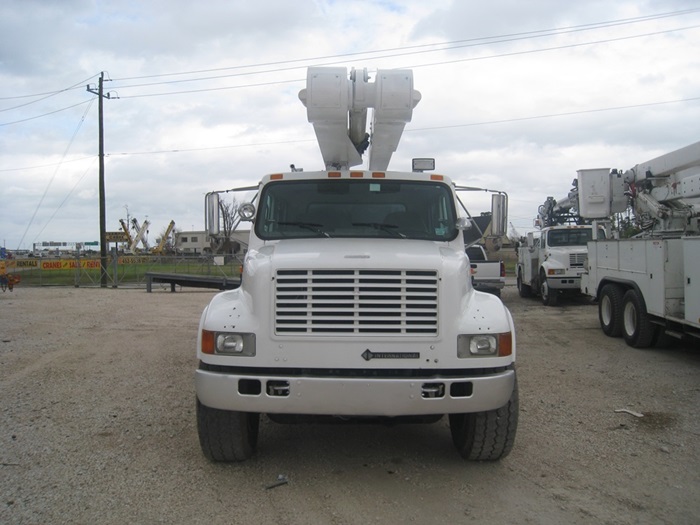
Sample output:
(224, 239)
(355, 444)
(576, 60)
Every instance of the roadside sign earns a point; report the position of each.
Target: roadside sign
(116, 237)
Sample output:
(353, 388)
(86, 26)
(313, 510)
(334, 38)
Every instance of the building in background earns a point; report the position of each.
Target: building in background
(199, 242)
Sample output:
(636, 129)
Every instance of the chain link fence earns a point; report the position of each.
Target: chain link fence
(121, 271)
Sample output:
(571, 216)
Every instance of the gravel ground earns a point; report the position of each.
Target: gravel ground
(97, 425)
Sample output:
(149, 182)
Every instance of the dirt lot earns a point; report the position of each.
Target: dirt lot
(97, 425)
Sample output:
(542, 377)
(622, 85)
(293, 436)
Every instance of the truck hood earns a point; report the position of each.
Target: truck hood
(355, 253)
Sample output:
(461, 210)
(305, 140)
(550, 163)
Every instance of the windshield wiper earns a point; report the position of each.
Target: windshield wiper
(388, 228)
(314, 227)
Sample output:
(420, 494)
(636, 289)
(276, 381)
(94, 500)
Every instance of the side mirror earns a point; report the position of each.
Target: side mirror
(499, 214)
(530, 240)
(211, 213)
(246, 211)
(463, 223)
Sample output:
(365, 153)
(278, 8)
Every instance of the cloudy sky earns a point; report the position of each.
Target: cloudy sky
(516, 96)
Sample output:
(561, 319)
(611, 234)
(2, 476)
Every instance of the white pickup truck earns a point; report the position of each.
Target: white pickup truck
(487, 276)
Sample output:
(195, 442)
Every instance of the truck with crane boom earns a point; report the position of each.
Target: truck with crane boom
(551, 260)
(356, 301)
(647, 286)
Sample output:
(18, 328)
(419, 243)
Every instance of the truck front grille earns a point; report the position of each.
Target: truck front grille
(577, 260)
(351, 302)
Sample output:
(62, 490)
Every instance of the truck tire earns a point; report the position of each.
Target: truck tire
(549, 297)
(610, 310)
(225, 435)
(636, 326)
(523, 289)
(486, 436)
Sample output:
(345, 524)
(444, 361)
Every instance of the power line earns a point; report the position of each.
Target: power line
(553, 115)
(407, 130)
(75, 133)
(48, 93)
(41, 166)
(65, 199)
(44, 114)
(566, 46)
(442, 46)
(414, 66)
(210, 148)
(260, 84)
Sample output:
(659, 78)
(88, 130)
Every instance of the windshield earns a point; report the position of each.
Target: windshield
(363, 208)
(572, 237)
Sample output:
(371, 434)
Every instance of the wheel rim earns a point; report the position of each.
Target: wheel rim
(606, 310)
(544, 290)
(630, 319)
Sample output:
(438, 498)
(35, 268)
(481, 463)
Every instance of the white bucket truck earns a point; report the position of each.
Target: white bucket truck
(647, 286)
(551, 260)
(356, 300)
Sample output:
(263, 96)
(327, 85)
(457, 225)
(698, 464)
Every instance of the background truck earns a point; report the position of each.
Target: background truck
(356, 300)
(647, 287)
(551, 260)
(487, 276)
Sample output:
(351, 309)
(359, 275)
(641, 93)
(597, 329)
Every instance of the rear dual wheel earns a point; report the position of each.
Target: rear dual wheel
(523, 289)
(610, 310)
(637, 328)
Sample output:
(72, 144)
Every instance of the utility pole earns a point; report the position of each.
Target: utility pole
(103, 220)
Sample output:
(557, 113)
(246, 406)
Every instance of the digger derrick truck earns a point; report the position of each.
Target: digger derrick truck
(551, 260)
(648, 286)
(356, 301)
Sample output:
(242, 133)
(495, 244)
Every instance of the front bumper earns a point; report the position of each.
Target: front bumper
(351, 396)
(494, 284)
(564, 283)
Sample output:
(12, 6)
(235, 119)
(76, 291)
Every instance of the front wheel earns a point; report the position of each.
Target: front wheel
(226, 435)
(486, 436)
(549, 297)
(636, 325)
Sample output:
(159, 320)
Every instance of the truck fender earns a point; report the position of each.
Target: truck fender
(231, 310)
(624, 283)
(477, 306)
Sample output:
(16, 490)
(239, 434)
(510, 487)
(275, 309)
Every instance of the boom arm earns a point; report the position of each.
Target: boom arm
(553, 212)
(665, 191)
(337, 107)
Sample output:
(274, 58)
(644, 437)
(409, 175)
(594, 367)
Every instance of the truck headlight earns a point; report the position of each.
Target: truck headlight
(228, 344)
(487, 345)
(556, 271)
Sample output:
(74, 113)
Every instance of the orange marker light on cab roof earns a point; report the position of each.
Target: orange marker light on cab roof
(437, 177)
(356, 174)
(276, 176)
(333, 174)
(378, 174)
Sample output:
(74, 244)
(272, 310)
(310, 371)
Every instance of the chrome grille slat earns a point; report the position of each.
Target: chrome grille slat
(353, 302)
(577, 260)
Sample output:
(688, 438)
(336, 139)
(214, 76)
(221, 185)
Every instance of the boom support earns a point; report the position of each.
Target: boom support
(337, 107)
